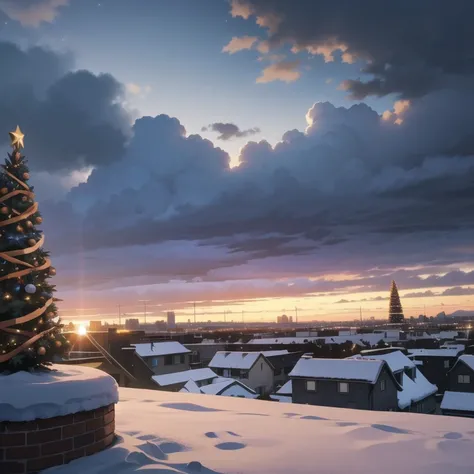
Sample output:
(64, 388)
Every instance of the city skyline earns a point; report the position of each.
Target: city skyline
(247, 155)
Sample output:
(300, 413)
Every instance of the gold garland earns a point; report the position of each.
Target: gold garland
(9, 256)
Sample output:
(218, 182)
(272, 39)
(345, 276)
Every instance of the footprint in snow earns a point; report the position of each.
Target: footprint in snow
(225, 445)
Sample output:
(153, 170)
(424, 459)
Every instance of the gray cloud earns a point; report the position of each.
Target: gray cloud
(408, 48)
(228, 131)
(71, 119)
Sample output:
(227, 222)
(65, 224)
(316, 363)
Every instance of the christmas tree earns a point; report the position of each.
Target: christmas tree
(395, 309)
(30, 329)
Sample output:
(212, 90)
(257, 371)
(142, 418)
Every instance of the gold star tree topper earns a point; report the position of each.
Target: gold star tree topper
(16, 138)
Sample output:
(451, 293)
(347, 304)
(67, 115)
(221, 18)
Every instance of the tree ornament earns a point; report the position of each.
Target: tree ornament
(58, 343)
(41, 351)
(16, 138)
(4, 210)
(29, 224)
(26, 176)
(52, 271)
(17, 288)
(20, 229)
(17, 156)
(50, 315)
(7, 296)
(24, 198)
(31, 242)
(39, 220)
(30, 289)
(4, 191)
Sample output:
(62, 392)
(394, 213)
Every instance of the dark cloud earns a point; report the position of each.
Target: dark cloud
(408, 48)
(228, 131)
(71, 119)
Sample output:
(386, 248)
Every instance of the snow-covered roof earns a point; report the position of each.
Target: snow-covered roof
(366, 370)
(468, 360)
(461, 401)
(282, 340)
(274, 353)
(160, 349)
(234, 360)
(221, 384)
(286, 389)
(434, 352)
(191, 387)
(223, 434)
(396, 360)
(196, 375)
(414, 390)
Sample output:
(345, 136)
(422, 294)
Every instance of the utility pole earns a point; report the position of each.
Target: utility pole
(119, 315)
(296, 314)
(360, 309)
(194, 304)
(144, 308)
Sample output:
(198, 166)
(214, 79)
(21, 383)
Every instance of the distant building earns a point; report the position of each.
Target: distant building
(171, 319)
(95, 325)
(132, 324)
(283, 319)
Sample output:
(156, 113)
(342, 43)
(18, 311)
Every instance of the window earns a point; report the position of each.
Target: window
(464, 379)
(182, 359)
(446, 364)
(154, 362)
(235, 372)
(343, 387)
(244, 374)
(226, 372)
(382, 385)
(169, 360)
(311, 385)
(177, 359)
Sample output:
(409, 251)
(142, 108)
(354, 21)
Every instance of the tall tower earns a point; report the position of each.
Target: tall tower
(395, 312)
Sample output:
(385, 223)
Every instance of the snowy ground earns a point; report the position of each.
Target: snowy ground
(162, 432)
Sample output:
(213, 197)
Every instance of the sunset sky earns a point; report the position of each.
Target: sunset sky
(251, 156)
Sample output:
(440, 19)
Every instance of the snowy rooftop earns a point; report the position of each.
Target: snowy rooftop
(163, 432)
(160, 349)
(414, 390)
(274, 353)
(434, 352)
(461, 401)
(366, 370)
(234, 360)
(286, 389)
(396, 360)
(468, 360)
(179, 377)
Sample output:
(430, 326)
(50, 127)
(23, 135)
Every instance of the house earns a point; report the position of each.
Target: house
(417, 394)
(164, 357)
(251, 368)
(366, 384)
(461, 376)
(284, 394)
(221, 386)
(174, 382)
(435, 364)
(283, 363)
(458, 404)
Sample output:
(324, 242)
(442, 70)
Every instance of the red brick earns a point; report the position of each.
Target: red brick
(53, 422)
(109, 417)
(96, 447)
(71, 455)
(43, 436)
(83, 440)
(110, 408)
(12, 439)
(101, 411)
(34, 465)
(57, 447)
(83, 416)
(15, 426)
(26, 452)
(12, 467)
(94, 424)
(74, 429)
(105, 431)
(109, 439)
